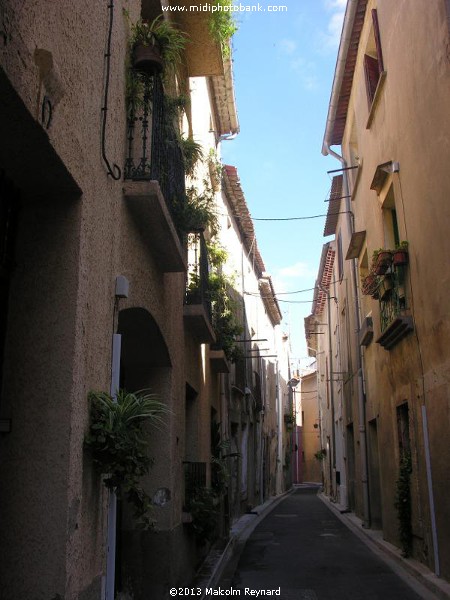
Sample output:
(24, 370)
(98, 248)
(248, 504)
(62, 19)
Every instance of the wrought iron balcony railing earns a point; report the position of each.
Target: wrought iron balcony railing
(395, 319)
(197, 286)
(392, 297)
(153, 150)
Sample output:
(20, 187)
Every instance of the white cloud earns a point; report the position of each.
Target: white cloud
(331, 37)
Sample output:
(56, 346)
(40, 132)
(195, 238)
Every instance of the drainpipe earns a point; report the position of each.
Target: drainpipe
(333, 432)
(359, 359)
(112, 500)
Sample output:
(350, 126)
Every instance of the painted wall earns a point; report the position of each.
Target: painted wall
(408, 125)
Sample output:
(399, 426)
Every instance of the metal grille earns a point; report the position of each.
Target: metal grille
(392, 296)
(153, 151)
(198, 273)
(194, 479)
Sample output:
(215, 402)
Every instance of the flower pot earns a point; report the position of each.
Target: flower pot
(400, 258)
(384, 261)
(147, 58)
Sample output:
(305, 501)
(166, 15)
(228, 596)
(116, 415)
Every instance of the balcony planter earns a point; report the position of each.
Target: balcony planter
(383, 261)
(400, 257)
(370, 285)
(147, 58)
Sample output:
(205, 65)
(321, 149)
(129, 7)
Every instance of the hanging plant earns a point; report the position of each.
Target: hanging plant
(157, 45)
(192, 153)
(119, 446)
(222, 25)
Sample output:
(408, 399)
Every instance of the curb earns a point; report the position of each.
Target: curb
(404, 567)
(239, 534)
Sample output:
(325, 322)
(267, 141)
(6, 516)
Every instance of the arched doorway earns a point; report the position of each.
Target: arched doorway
(145, 364)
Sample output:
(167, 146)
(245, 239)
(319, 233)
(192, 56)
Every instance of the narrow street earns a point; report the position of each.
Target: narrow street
(304, 549)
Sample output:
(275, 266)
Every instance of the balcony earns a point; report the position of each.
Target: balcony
(396, 321)
(203, 53)
(154, 172)
(197, 306)
(219, 361)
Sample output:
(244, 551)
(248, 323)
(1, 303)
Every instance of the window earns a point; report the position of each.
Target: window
(390, 224)
(373, 60)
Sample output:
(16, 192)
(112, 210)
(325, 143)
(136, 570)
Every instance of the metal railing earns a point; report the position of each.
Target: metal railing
(194, 479)
(197, 285)
(392, 296)
(153, 149)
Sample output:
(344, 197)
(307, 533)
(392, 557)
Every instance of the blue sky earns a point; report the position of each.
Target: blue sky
(283, 68)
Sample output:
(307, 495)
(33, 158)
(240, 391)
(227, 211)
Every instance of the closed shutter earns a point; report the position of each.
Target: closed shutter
(376, 32)
(372, 75)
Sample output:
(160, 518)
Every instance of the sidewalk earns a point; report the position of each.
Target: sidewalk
(374, 539)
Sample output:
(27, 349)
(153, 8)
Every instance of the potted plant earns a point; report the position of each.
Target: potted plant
(192, 154)
(118, 445)
(381, 260)
(400, 256)
(156, 45)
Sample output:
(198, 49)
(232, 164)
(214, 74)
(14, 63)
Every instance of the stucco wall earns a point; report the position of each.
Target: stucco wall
(410, 126)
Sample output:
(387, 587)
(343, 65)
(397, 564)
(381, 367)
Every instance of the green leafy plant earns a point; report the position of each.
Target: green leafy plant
(192, 154)
(215, 169)
(320, 454)
(197, 212)
(118, 445)
(205, 514)
(403, 245)
(175, 105)
(171, 41)
(222, 24)
(216, 253)
(224, 309)
(403, 503)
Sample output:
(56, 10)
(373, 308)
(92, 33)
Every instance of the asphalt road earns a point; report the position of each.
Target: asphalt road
(304, 552)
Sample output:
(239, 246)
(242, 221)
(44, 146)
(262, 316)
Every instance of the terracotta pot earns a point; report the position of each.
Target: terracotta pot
(148, 58)
(400, 258)
(384, 261)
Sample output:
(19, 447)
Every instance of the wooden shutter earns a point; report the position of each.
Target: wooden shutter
(372, 75)
(376, 32)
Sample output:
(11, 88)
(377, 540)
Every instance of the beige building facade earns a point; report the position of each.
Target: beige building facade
(388, 384)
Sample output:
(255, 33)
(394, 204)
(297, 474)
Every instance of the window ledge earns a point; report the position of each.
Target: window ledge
(376, 99)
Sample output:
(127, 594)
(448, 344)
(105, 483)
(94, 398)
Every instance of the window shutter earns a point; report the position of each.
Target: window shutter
(372, 75)
(376, 31)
